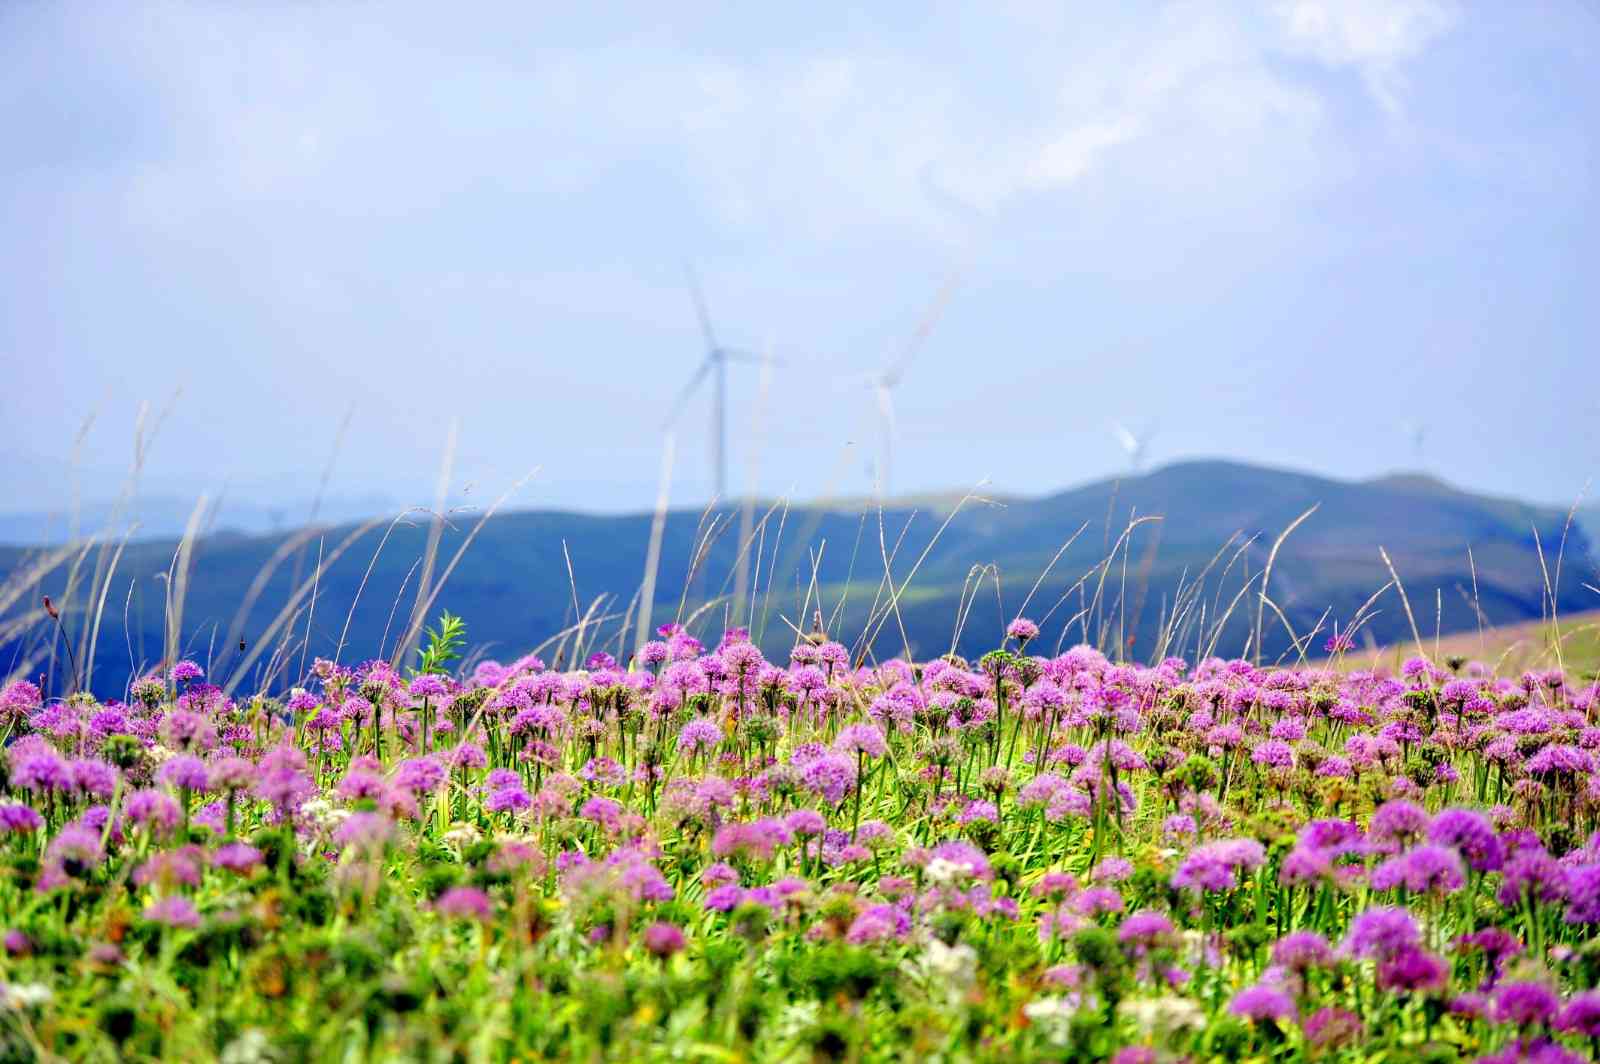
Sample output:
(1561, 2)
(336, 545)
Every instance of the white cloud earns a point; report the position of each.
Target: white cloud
(1375, 36)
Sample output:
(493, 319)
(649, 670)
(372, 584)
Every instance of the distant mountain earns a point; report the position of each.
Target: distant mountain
(1168, 588)
(167, 517)
(1588, 518)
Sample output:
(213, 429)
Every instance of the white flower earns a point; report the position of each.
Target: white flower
(19, 996)
(798, 1020)
(948, 971)
(251, 1047)
(1053, 1017)
(461, 835)
(317, 811)
(941, 872)
(1163, 1015)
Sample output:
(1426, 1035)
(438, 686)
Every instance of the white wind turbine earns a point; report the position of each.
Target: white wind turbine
(883, 382)
(715, 365)
(1135, 445)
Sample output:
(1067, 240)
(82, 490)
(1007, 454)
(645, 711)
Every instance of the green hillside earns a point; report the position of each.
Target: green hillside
(1165, 587)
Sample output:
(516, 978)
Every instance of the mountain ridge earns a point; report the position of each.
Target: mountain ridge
(1462, 557)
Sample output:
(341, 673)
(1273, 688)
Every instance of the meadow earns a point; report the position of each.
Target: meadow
(701, 854)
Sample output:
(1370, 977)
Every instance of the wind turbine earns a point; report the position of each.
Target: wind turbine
(1136, 446)
(715, 366)
(1415, 431)
(883, 382)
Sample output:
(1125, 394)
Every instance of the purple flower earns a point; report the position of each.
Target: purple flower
(155, 810)
(1472, 836)
(19, 819)
(93, 777)
(187, 672)
(699, 735)
(876, 923)
(1531, 872)
(1144, 928)
(237, 857)
(724, 898)
(1396, 824)
(607, 812)
(420, 775)
(662, 939)
(832, 776)
(1381, 932)
(174, 910)
(1411, 970)
(861, 738)
(1583, 895)
(1214, 866)
(38, 767)
(805, 822)
(1581, 1015)
(465, 903)
(1301, 950)
(1425, 869)
(1022, 630)
(184, 772)
(1273, 753)
(1262, 1003)
(1524, 1004)
(428, 686)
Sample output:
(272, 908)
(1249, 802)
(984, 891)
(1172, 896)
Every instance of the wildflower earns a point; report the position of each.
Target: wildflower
(187, 672)
(1215, 866)
(465, 903)
(1332, 1027)
(1302, 950)
(1022, 630)
(1425, 869)
(698, 736)
(1524, 1004)
(1145, 928)
(1381, 932)
(240, 857)
(420, 775)
(185, 772)
(19, 819)
(1581, 1016)
(878, 922)
(861, 738)
(1531, 872)
(662, 939)
(428, 685)
(1397, 824)
(1471, 835)
(1410, 970)
(174, 910)
(1262, 1003)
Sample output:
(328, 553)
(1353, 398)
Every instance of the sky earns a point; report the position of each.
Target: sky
(1271, 232)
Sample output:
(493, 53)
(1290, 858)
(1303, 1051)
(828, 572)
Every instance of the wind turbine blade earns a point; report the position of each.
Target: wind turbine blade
(1126, 439)
(930, 318)
(700, 306)
(688, 390)
(886, 408)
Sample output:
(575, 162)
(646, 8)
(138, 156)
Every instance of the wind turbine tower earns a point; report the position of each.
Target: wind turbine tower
(715, 366)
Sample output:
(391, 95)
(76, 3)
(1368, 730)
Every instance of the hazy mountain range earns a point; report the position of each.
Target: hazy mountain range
(959, 571)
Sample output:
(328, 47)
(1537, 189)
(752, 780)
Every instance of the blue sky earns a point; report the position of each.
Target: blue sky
(1275, 231)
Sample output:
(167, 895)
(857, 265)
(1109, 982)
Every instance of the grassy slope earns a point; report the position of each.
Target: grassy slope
(1573, 643)
(512, 584)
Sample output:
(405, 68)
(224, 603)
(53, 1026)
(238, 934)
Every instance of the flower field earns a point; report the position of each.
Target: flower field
(701, 854)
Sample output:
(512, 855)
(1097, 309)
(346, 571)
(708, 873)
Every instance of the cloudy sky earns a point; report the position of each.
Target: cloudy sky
(1273, 231)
